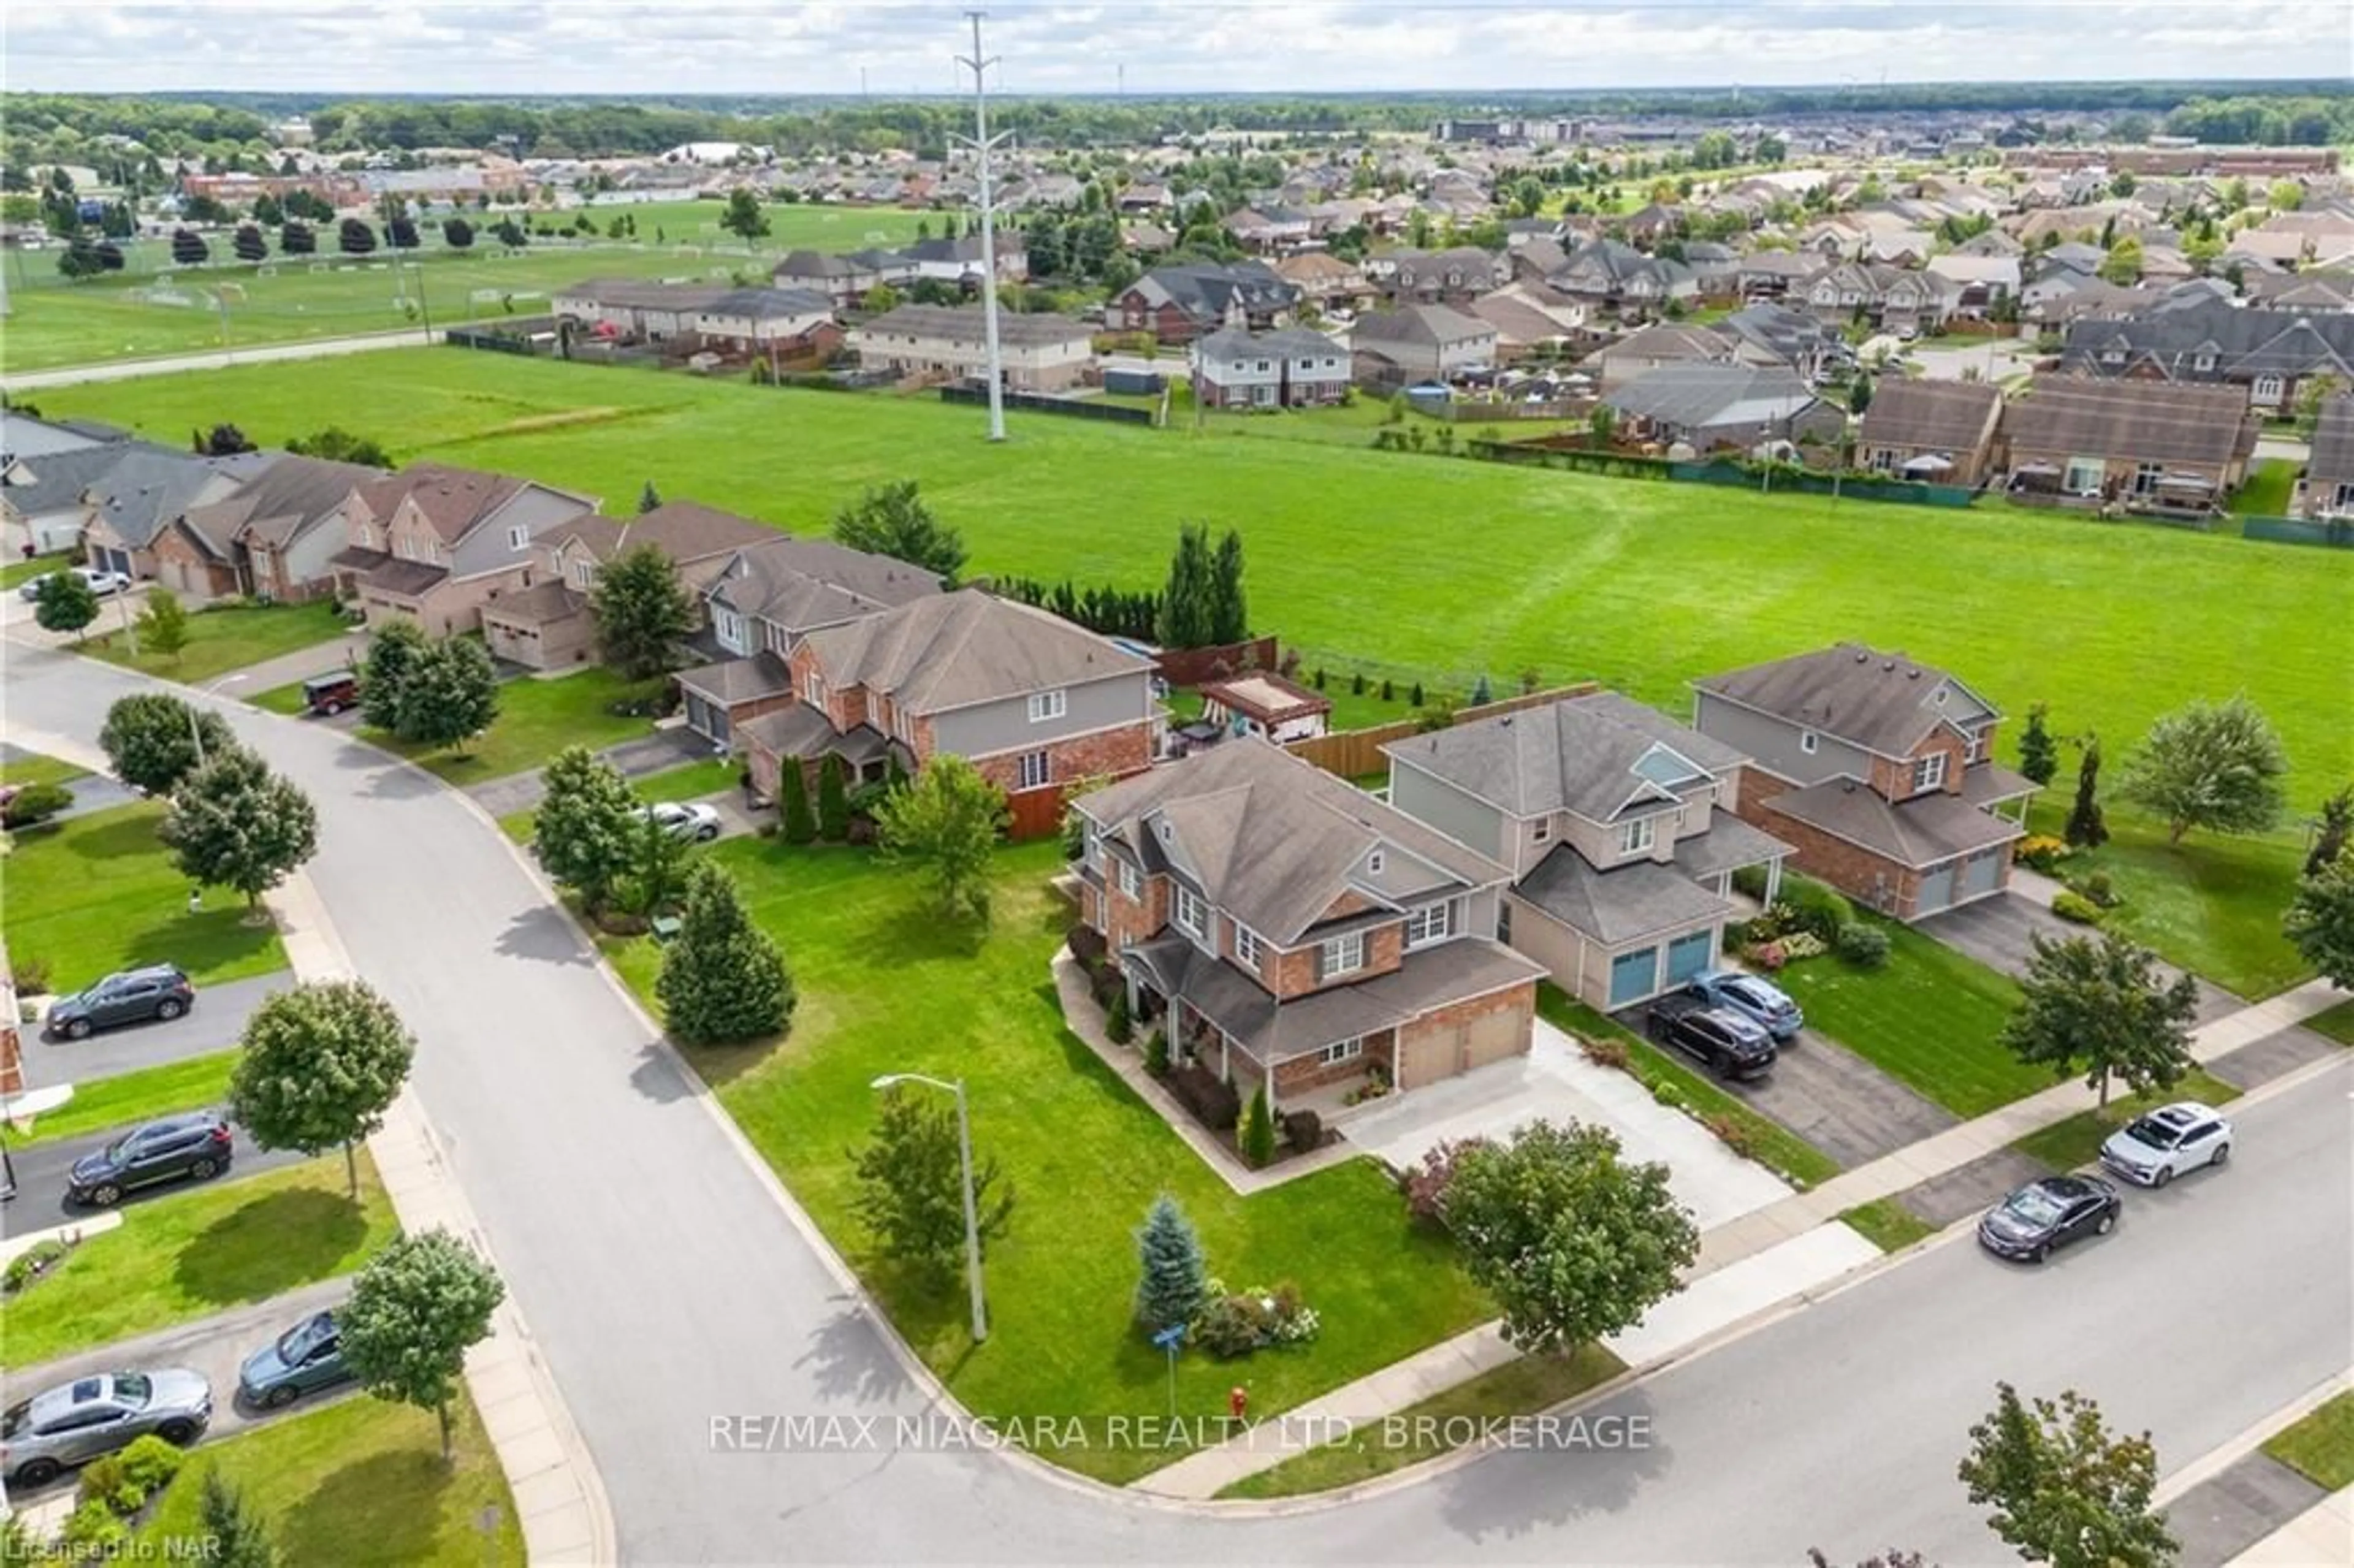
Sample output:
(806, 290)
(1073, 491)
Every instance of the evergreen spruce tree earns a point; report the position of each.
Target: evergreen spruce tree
(722, 979)
(1175, 1281)
(2039, 754)
(793, 805)
(833, 802)
(1258, 1129)
(2086, 829)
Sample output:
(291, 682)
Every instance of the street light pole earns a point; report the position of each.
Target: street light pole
(195, 730)
(971, 1211)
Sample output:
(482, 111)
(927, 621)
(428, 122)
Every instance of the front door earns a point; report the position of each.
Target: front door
(1688, 955)
(1634, 976)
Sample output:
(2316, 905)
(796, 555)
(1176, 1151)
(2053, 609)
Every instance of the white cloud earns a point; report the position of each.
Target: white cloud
(1056, 46)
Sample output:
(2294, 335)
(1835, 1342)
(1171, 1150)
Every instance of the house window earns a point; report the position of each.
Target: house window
(1808, 741)
(1340, 1051)
(731, 629)
(814, 689)
(2145, 477)
(2203, 364)
(1929, 772)
(518, 537)
(1189, 911)
(1035, 770)
(1246, 947)
(2084, 476)
(1129, 884)
(1341, 955)
(1044, 705)
(2267, 389)
(1636, 837)
(1541, 830)
(367, 536)
(581, 572)
(1976, 749)
(1430, 923)
(1373, 863)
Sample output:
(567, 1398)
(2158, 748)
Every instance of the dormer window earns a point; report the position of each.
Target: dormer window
(1636, 837)
(1929, 773)
(582, 571)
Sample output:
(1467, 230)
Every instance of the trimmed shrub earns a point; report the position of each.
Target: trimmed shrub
(1303, 1131)
(1750, 883)
(2097, 886)
(1802, 945)
(1816, 908)
(1425, 1185)
(1117, 1027)
(150, 1464)
(1667, 1093)
(35, 803)
(2075, 906)
(105, 1481)
(1865, 947)
(1414, 697)
(1087, 945)
(832, 800)
(1156, 1054)
(1389, 691)
(31, 1263)
(1357, 684)
(1604, 1052)
(1319, 677)
(1212, 1100)
(2042, 852)
(94, 1533)
(1233, 1326)
(1256, 1140)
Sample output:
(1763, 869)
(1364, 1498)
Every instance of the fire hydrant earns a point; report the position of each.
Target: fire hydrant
(1237, 1401)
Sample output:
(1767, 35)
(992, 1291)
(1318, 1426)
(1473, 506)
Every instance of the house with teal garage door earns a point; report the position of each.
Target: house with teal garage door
(1617, 826)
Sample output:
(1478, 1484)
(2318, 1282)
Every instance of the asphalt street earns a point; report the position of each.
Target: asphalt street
(670, 1288)
(215, 1023)
(41, 1168)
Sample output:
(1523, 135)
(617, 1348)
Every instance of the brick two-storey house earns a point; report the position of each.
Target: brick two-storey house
(550, 624)
(434, 545)
(1287, 929)
(1616, 826)
(1877, 767)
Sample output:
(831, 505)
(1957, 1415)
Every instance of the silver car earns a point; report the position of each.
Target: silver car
(2153, 1149)
(49, 1434)
(103, 584)
(696, 824)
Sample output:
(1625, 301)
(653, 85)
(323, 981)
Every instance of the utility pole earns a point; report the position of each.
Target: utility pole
(981, 142)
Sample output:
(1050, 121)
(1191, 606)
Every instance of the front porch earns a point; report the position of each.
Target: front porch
(1321, 1052)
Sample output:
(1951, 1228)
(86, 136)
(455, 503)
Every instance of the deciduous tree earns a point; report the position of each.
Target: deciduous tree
(642, 612)
(2065, 1492)
(393, 651)
(723, 979)
(417, 1308)
(335, 444)
(449, 696)
(2320, 920)
(66, 603)
(457, 234)
(946, 824)
(321, 1063)
(586, 824)
(2333, 830)
(151, 740)
(2100, 1004)
(910, 1193)
(892, 520)
(1572, 1241)
(234, 823)
(163, 624)
(744, 217)
(2216, 765)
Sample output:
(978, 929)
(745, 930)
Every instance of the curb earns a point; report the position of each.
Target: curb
(2233, 1449)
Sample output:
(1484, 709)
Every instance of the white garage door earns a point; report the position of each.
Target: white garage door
(1936, 890)
(1981, 873)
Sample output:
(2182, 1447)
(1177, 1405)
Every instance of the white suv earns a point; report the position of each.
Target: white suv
(2154, 1149)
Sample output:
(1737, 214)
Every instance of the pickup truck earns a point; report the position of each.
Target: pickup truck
(1762, 1002)
(1731, 1045)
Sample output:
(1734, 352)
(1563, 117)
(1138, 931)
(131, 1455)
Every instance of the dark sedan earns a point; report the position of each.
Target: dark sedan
(2047, 1214)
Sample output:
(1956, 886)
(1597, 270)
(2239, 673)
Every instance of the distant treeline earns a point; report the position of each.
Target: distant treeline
(2274, 113)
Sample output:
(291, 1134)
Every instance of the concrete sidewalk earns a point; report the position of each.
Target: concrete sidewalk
(558, 1497)
(2322, 1533)
(343, 652)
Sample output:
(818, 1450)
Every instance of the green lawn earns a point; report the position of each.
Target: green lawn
(1642, 586)
(2266, 494)
(20, 571)
(1930, 1017)
(141, 1096)
(1770, 1143)
(133, 314)
(2320, 1446)
(286, 699)
(2337, 1022)
(2065, 1145)
(33, 768)
(200, 1252)
(885, 986)
(536, 720)
(1527, 1387)
(1888, 1225)
(687, 781)
(2211, 905)
(358, 1483)
(99, 894)
(223, 639)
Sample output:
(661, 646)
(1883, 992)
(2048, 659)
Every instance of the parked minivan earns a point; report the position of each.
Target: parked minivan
(329, 694)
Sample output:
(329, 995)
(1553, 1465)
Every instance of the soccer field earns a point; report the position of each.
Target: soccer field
(1421, 566)
(150, 308)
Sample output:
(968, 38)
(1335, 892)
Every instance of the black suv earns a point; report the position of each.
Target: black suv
(195, 1145)
(134, 996)
(1731, 1045)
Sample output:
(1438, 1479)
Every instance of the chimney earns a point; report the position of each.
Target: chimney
(1911, 675)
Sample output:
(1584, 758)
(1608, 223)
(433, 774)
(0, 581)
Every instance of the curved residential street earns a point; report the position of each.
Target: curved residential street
(670, 1288)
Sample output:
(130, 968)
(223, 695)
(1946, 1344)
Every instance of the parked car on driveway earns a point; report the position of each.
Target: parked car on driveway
(1761, 1002)
(1731, 1045)
(102, 583)
(194, 1146)
(330, 695)
(2153, 1149)
(2049, 1213)
(304, 1359)
(43, 1436)
(699, 823)
(159, 992)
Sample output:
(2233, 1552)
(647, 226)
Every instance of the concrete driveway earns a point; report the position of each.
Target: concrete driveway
(1997, 931)
(213, 1024)
(1554, 1082)
(215, 1347)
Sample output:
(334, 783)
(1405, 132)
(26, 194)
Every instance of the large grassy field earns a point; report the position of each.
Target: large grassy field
(150, 309)
(1425, 566)
(886, 987)
(99, 894)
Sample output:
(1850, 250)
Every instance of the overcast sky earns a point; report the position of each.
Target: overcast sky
(744, 45)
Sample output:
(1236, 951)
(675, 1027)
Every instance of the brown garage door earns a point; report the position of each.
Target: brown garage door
(1494, 1037)
(1436, 1051)
(1426, 1055)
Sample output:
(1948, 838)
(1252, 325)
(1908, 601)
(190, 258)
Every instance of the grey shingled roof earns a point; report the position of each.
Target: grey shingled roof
(1640, 899)
(1581, 756)
(1274, 840)
(1229, 343)
(1695, 396)
(1918, 832)
(2239, 342)
(1884, 703)
(803, 584)
(717, 299)
(22, 436)
(733, 681)
(290, 496)
(682, 530)
(1430, 326)
(2149, 421)
(2332, 463)
(955, 649)
(1951, 417)
(964, 323)
(143, 492)
(59, 478)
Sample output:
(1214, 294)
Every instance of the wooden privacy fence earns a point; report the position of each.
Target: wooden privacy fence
(1353, 752)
